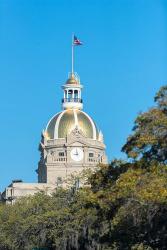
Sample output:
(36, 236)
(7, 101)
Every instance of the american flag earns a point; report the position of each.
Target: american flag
(76, 41)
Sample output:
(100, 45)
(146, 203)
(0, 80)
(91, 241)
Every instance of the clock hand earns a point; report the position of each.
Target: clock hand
(76, 153)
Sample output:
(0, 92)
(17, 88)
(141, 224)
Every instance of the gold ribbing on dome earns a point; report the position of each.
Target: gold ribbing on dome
(72, 79)
(63, 123)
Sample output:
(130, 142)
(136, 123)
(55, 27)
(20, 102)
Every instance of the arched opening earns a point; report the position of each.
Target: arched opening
(75, 95)
(70, 94)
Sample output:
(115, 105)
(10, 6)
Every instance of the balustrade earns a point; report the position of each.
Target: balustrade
(91, 159)
(62, 159)
(71, 100)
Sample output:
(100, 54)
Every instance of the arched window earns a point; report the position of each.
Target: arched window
(75, 94)
(70, 94)
(91, 155)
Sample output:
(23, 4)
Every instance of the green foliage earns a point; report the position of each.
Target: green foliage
(128, 212)
(149, 139)
(161, 98)
(123, 206)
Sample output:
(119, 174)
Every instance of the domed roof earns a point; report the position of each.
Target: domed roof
(64, 122)
(72, 80)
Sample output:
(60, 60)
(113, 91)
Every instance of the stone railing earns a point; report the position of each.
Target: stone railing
(60, 159)
(71, 100)
(93, 159)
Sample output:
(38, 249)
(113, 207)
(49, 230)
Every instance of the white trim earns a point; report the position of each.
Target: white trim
(76, 122)
(72, 105)
(51, 120)
(57, 124)
(67, 86)
(75, 118)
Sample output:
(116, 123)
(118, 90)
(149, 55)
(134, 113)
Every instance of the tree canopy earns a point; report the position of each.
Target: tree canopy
(149, 139)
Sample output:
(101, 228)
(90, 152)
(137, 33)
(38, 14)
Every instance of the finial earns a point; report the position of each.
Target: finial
(72, 79)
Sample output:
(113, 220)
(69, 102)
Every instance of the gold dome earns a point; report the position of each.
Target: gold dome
(64, 122)
(72, 80)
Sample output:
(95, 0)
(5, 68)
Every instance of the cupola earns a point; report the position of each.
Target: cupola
(72, 93)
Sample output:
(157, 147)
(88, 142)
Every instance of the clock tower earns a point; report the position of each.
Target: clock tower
(71, 140)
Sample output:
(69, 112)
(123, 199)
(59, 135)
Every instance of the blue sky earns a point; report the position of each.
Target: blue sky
(122, 64)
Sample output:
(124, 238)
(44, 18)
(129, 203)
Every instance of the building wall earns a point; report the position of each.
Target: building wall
(18, 190)
(53, 167)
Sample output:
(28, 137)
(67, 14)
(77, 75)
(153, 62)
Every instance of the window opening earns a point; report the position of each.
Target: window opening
(61, 153)
(91, 155)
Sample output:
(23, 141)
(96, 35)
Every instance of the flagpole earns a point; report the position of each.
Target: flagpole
(72, 54)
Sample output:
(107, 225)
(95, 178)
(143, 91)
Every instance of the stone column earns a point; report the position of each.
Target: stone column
(68, 154)
(85, 155)
(72, 93)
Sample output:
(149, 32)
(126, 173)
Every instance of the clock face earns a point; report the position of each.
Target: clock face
(77, 154)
